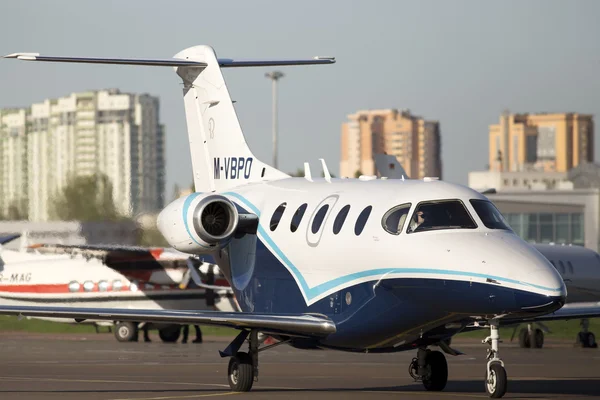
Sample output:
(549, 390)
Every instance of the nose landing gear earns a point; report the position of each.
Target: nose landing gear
(495, 378)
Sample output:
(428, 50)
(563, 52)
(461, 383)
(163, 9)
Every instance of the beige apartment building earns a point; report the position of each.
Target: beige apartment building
(414, 141)
(553, 142)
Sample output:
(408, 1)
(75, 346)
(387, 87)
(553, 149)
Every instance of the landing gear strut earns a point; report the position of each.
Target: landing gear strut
(431, 368)
(495, 377)
(585, 338)
(243, 367)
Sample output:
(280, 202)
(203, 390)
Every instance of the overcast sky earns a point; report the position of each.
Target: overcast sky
(458, 62)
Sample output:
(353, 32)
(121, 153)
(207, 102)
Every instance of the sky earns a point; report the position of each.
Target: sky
(458, 62)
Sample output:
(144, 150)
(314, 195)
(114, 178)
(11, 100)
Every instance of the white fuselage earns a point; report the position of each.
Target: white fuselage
(28, 278)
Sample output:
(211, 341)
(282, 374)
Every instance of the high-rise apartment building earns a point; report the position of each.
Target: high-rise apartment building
(117, 134)
(554, 142)
(414, 141)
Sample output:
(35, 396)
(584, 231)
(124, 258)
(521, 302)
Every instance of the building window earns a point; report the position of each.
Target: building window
(362, 220)
(577, 227)
(562, 228)
(546, 227)
(277, 216)
(340, 219)
(297, 217)
(319, 217)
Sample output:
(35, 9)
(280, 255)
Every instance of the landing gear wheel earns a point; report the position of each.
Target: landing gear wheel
(169, 334)
(538, 339)
(524, 341)
(591, 340)
(437, 375)
(240, 372)
(496, 382)
(125, 331)
(586, 340)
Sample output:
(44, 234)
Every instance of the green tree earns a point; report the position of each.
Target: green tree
(299, 173)
(85, 198)
(17, 210)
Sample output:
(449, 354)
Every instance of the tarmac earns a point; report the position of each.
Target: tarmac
(71, 366)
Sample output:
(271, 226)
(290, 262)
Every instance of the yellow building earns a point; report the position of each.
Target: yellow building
(414, 141)
(547, 142)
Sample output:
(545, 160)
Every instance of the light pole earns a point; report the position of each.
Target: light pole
(274, 77)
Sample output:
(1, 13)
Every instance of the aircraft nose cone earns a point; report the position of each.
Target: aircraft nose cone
(548, 292)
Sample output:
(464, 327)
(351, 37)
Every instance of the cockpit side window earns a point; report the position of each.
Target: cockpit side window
(393, 220)
(440, 214)
(489, 214)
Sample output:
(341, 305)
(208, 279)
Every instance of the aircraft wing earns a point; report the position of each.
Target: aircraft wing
(304, 325)
(568, 311)
(106, 253)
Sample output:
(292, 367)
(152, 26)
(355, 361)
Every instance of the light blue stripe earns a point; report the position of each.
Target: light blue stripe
(314, 292)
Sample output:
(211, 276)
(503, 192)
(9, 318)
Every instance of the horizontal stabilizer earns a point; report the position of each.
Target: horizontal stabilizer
(304, 325)
(172, 62)
(226, 62)
(168, 62)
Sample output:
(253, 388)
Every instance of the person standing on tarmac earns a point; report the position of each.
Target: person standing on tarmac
(186, 331)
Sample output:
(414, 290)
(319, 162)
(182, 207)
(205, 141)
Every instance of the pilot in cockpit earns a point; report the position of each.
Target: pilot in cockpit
(418, 219)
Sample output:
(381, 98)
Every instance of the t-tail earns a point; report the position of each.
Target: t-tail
(221, 158)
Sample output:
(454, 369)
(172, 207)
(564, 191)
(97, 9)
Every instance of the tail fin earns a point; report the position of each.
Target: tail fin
(221, 158)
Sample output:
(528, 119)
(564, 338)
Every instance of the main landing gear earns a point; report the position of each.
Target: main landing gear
(431, 368)
(495, 377)
(585, 338)
(531, 337)
(243, 367)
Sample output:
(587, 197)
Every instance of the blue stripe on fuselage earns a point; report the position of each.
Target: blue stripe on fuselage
(312, 293)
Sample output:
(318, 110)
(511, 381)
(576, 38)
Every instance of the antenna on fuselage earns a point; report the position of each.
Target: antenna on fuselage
(307, 174)
(325, 170)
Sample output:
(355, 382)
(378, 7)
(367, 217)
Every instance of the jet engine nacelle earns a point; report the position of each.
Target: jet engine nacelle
(199, 223)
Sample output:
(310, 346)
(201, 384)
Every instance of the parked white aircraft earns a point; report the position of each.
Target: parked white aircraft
(364, 265)
(578, 266)
(115, 277)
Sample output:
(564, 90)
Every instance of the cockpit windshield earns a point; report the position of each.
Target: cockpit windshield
(489, 214)
(440, 214)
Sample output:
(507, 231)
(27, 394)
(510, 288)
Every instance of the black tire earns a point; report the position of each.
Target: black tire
(170, 334)
(538, 339)
(240, 372)
(125, 331)
(586, 340)
(524, 341)
(591, 340)
(496, 388)
(438, 371)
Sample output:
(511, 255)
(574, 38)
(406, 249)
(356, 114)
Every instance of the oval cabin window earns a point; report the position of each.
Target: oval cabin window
(340, 219)
(277, 216)
(319, 217)
(362, 220)
(297, 217)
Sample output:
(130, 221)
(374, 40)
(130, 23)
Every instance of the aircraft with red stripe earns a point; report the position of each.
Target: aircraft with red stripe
(112, 276)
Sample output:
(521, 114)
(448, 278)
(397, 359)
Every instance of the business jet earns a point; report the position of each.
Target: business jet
(115, 277)
(360, 265)
(578, 266)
